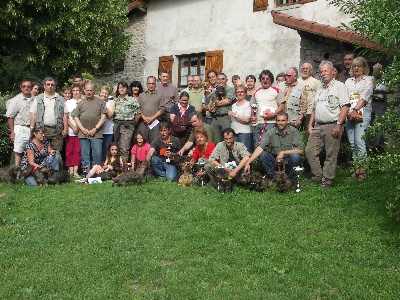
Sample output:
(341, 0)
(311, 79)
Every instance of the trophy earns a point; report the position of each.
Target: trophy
(298, 171)
(169, 146)
(200, 168)
(254, 108)
(84, 172)
(128, 167)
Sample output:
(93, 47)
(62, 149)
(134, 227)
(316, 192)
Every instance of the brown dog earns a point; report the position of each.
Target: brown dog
(283, 183)
(186, 179)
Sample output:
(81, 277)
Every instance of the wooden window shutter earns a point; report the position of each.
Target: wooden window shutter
(259, 5)
(165, 63)
(214, 60)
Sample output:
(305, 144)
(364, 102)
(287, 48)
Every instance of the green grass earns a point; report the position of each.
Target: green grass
(161, 241)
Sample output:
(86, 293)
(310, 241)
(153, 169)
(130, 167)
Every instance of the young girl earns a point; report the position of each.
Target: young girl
(113, 161)
(139, 150)
(73, 147)
(108, 126)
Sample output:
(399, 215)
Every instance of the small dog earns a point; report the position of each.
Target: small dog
(186, 179)
(136, 176)
(259, 182)
(224, 182)
(40, 174)
(10, 174)
(283, 183)
(58, 177)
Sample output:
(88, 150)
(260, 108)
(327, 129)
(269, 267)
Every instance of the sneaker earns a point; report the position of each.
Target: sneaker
(326, 185)
(82, 180)
(314, 179)
(76, 176)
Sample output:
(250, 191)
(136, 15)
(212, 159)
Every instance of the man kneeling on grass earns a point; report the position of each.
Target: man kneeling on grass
(285, 146)
(161, 151)
(229, 154)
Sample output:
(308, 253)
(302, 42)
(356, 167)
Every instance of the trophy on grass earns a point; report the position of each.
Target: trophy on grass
(254, 108)
(84, 172)
(200, 168)
(298, 171)
(169, 147)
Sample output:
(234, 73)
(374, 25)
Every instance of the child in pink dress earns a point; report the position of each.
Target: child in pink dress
(139, 150)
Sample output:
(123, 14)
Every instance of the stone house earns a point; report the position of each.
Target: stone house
(188, 37)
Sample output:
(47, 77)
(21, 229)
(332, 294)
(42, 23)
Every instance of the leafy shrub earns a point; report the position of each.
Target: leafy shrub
(5, 144)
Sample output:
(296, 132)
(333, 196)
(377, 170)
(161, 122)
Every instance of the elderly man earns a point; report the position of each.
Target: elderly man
(295, 96)
(281, 145)
(189, 84)
(160, 152)
(47, 110)
(196, 94)
(169, 91)
(89, 116)
(18, 119)
(197, 122)
(219, 110)
(312, 85)
(152, 106)
(330, 108)
(347, 62)
(270, 102)
(229, 154)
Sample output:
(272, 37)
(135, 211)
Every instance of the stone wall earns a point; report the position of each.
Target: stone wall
(135, 56)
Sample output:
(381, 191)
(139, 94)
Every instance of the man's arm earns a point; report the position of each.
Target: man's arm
(65, 126)
(10, 122)
(257, 152)
(150, 154)
(284, 153)
(310, 124)
(342, 117)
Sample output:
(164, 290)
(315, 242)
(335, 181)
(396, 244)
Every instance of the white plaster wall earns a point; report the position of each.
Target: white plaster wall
(250, 40)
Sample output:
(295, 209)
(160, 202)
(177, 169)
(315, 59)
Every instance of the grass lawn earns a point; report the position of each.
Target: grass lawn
(161, 241)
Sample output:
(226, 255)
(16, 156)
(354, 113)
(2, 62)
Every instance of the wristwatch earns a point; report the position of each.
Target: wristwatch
(338, 123)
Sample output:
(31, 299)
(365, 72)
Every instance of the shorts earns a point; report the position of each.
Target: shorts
(22, 134)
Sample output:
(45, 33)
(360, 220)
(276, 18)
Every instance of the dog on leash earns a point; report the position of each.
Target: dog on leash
(186, 179)
(224, 182)
(283, 183)
(10, 174)
(255, 181)
(40, 174)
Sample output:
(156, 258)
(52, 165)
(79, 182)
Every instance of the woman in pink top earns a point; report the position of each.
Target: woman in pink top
(139, 150)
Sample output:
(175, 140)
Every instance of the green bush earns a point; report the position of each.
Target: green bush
(5, 143)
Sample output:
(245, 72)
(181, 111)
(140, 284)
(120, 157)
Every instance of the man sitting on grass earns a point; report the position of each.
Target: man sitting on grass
(281, 145)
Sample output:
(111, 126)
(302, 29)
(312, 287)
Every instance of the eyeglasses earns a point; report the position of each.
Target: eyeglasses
(288, 75)
(26, 86)
(50, 84)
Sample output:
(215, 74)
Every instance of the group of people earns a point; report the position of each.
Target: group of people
(212, 123)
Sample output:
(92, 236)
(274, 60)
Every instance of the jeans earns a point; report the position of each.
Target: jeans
(107, 139)
(268, 163)
(246, 139)
(257, 132)
(91, 144)
(52, 160)
(355, 131)
(164, 169)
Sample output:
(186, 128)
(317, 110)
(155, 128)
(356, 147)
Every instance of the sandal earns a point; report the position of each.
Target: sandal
(361, 176)
(355, 174)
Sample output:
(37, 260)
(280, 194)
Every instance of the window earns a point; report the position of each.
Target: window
(191, 65)
(259, 5)
(290, 2)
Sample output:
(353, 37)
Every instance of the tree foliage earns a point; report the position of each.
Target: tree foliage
(380, 21)
(59, 38)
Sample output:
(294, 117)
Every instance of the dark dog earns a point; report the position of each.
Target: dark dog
(283, 183)
(259, 182)
(224, 182)
(136, 176)
(10, 174)
(58, 177)
(186, 179)
(40, 174)
(109, 175)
